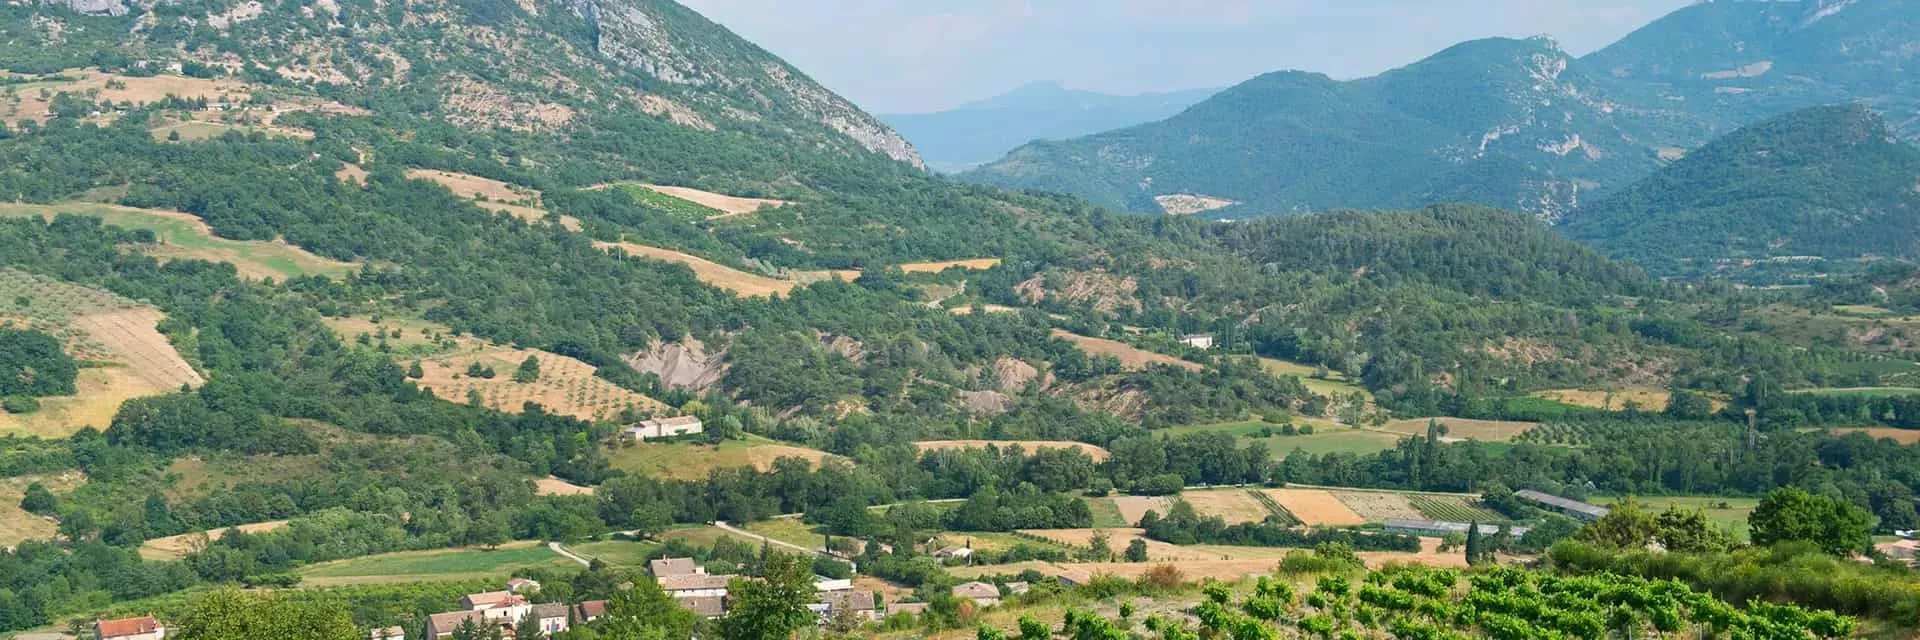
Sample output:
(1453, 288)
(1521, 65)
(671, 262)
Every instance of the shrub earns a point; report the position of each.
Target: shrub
(20, 404)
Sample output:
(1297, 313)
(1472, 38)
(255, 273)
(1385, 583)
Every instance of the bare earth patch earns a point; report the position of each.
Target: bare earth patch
(1118, 539)
(551, 486)
(976, 264)
(1316, 507)
(1232, 505)
(1379, 507)
(1130, 356)
(1098, 454)
(1902, 436)
(472, 186)
(177, 547)
(1183, 204)
(566, 386)
(732, 205)
(1133, 507)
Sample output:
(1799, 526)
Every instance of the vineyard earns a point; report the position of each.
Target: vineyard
(1417, 603)
(1452, 509)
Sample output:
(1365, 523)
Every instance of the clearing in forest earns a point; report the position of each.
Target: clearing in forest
(566, 386)
(551, 486)
(1315, 507)
(692, 460)
(1902, 436)
(182, 235)
(1098, 454)
(725, 277)
(1334, 385)
(976, 264)
(16, 524)
(177, 547)
(706, 204)
(1130, 356)
(1234, 505)
(494, 195)
(118, 336)
(1464, 429)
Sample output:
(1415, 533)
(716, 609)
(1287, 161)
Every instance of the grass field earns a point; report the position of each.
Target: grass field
(789, 530)
(1733, 516)
(177, 547)
(1647, 399)
(1327, 437)
(126, 354)
(1464, 429)
(1861, 392)
(185, 236)
(1315, 507)
(1106, 514)
(713, 273)
(1133, 507)
(694, 204)
(16, 525)
(439, 565)
(1098, 454)
(1130, 356)
(566, 386)
(692, 461)
(1233, 505)
(1335, 385)
(619, 553)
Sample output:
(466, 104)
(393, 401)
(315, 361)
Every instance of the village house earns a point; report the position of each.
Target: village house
(1198, 341)
(662, 428)
(863, 604)
(953, 553)
(590, 610)
(709, 607)
(980, 593)
(665, 567)
(387, 633)
(141, 628)
(696, 585)
(442, 625)
(896, 608)
(522, 586)
(552, 618)
(498, 605)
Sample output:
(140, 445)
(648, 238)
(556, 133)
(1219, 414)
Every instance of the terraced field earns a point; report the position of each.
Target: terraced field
(177, 547)
(976, 264)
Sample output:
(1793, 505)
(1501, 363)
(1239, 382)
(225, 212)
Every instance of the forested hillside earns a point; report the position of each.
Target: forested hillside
(982, 131)
(1827, 183)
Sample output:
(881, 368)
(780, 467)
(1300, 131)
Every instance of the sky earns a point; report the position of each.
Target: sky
(913, 56)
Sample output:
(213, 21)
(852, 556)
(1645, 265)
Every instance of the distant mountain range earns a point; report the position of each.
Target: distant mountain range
(985, 130)
(1829, 183)
(1510, 123)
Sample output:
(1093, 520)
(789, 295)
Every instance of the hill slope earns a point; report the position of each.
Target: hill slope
(982, 131)
(1830, 182)
(1508, 123)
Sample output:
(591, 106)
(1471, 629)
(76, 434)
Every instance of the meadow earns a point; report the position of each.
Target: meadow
(692, 460)
(470, 563)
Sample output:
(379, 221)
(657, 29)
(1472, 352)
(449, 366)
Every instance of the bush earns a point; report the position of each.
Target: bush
(20, 404)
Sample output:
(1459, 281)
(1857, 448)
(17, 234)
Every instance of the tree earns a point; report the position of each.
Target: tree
(1100, 547)
(1626, 526)
(529, 371)
(528, 627)
(39, 500)
(645, 612)
(773, 607)
(32, 364)
(1788, 514)
(1137, 550)
(229, 614)
(414, 371)
(1473, 543)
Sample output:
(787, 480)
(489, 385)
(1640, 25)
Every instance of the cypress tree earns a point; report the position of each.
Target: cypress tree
(1473, 543)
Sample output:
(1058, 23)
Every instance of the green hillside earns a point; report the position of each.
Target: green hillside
(1829, 182)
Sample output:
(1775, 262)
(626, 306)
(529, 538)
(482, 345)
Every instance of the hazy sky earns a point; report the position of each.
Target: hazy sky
(894, 56)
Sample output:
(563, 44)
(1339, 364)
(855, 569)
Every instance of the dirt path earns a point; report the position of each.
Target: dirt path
(557, 548)
(723, 526)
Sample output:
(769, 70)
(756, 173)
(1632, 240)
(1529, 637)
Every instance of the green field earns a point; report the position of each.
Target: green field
(684, 210)
(1334, 385)
(1861, 392)
(789, 530)
(1106, 514)
(440, 565)
(1327, 437)
(1733, 517)
(693, 460)
(619, 553)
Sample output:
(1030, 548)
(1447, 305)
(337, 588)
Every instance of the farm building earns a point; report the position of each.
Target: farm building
(664, 567)
(825, 584)
(1441, 528)
(980, 593)
(695, 585)
(141, 628)
(662, 428)
(1198, 341)
(1573, 508)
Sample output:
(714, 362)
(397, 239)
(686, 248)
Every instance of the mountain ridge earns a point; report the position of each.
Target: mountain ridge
(984, 130)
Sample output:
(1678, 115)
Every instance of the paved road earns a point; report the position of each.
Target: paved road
(555, 546)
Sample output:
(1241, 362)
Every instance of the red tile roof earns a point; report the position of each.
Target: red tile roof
(126, 627)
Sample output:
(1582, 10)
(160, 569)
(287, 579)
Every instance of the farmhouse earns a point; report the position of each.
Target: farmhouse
(442, 625)
(590, 610)
(953, 553)
(141, 628)
(1573, 508)
(551, 617)
(709, 607)
(696, 585)
(980, 593)
(496, 606)
(664, 567)
(861, 603)
(662, 428)
(1198, 340)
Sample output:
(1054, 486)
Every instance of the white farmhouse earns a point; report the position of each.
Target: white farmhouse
(663, 428)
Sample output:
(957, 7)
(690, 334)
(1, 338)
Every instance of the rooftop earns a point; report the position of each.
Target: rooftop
(976, 590)
(1563, 504)
(127, 626)
(694, 582)
(664, 567)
